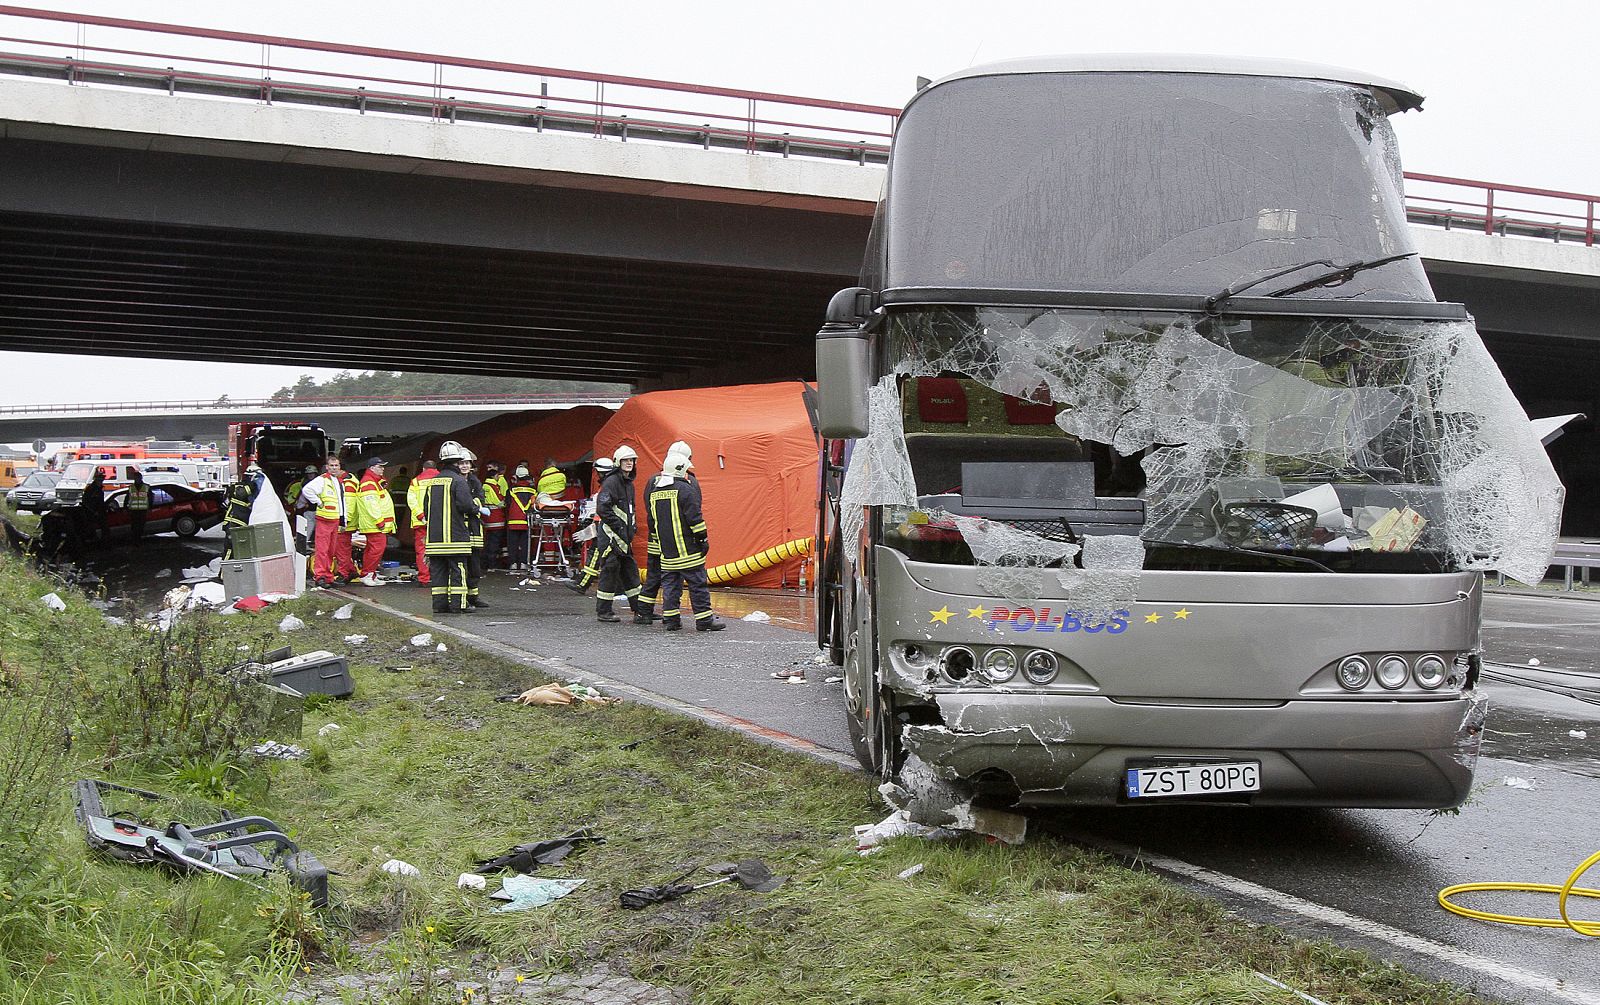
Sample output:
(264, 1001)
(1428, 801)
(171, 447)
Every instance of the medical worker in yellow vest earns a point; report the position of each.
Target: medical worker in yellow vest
(375, 519)
(333, 494)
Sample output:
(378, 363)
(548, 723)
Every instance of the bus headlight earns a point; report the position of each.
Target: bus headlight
(1429, 671)
(999, 665)
(958, 664)
(1354, 673)
(1392, 672)
(1039, 666)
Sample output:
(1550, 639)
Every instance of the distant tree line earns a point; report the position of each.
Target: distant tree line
(393, 383)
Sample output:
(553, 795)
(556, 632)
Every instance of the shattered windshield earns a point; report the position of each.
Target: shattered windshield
(1064, 439)
(1148, 182)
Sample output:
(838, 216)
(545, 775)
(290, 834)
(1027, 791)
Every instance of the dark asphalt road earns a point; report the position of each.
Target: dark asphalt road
(1381, 866)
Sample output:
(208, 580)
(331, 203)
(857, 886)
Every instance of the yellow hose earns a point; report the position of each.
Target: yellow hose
(760, 560)
(1569, 888)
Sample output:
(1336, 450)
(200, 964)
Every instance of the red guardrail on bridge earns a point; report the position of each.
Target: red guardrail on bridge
(365, 78)
(302, 404)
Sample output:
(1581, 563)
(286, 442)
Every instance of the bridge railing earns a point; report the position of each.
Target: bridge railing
(303, 404)
(82, 48)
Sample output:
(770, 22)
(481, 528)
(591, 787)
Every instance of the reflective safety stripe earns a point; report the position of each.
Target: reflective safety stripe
(703, 615)
(139, 497)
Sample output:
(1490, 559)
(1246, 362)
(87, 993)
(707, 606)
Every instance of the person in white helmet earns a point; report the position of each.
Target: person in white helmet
(450, 508)
(650, 590)
(619, 572)
(673, 506)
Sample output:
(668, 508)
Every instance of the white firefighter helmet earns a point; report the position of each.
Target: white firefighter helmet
(624, 453)
(604, 466)
(677, 465)
(451, 451)
(680, 447)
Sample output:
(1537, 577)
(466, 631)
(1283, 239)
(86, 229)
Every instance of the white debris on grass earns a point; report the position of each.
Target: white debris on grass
(207, 595)
(421, 640)
(54, 602)
(1534, 662)
(395, 867)
(355, 640)
(329, 729)
(1578, 734)
(896, 824)
(760, 617)
(279, 751)
(290, 623)
(1514, 782)
(470, 881)
(915, 870)
(344, 613)
(440, 648)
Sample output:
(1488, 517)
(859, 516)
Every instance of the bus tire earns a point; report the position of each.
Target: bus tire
(185, 526)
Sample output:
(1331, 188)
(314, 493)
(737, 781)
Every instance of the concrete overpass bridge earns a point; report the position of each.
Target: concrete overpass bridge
(207, 421)
(188, 193)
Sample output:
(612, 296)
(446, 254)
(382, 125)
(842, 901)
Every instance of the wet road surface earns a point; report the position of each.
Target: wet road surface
(1380, 866)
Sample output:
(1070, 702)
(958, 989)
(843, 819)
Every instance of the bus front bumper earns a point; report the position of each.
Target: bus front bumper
(1076, 749)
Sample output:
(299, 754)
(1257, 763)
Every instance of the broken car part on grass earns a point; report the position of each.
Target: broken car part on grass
(230, 847)
(530, 855)
(751, 874)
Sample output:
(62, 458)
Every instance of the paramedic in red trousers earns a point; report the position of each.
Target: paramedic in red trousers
(419, 519)
(521, 499)
(673, 507)
(332, 496)
(375, 519)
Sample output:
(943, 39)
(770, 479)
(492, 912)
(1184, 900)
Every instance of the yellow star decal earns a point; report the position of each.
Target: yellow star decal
(941, 616)
(976, 612)
(1182, 615)
(1151, 619)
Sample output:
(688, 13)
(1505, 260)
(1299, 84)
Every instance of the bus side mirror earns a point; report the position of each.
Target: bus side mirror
(843, 367)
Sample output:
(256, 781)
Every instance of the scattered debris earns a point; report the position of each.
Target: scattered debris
(559, 694)
(929, 799)
(897, 824)
(752, 874)
(290, 623)
(223, 849)
(1534, 662)
(440, 648)
(355, 640)
(397, 669)
(759, 617)
(421, 640)
(54, 602)
(319, 672)
(789, 675)
(329, 729)
(821, 659)
(395, 867)
(164, 574)
(201, 573)
(470, 881)
(915, 870)
(279, 751)
(1578, 734)
(251, 604)
(493, 624)
(527, 892)
(526, 857)
(344, 613)
(1512, 781)
(834, 680)
(206, 594)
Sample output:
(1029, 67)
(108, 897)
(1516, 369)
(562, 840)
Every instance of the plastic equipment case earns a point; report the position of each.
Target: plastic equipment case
(320, 672)
(249, 577)
(260, 540)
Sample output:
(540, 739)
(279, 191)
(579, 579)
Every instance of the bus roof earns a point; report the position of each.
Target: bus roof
(1395, 96)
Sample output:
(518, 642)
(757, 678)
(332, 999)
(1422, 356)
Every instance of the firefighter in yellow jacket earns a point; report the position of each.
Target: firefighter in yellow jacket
(374, 518)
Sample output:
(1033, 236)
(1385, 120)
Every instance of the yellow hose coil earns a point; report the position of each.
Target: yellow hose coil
(761, 560)
(1569, 888)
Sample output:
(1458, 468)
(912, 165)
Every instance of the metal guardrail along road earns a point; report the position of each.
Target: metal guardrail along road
(363, 79)
(456, 401)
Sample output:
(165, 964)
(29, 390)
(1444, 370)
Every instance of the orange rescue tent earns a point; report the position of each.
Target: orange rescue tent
(567, 435)
(755, 454)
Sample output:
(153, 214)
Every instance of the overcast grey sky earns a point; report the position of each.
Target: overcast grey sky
(1508, 87)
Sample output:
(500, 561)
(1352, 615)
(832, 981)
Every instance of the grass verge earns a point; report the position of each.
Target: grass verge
(427, 768)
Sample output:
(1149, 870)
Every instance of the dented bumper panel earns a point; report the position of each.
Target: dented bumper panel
(1076, 748)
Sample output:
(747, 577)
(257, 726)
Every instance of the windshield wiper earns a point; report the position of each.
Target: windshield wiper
(1230, 549)
(1340, 275)
(1234, 289)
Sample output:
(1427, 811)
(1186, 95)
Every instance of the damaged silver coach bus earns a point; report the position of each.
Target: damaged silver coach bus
(1153, 470)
